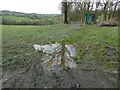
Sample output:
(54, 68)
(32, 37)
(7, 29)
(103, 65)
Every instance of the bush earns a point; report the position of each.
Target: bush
(42, 21)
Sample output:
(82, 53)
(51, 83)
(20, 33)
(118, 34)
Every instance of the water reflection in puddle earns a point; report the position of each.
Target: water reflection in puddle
(57, 55)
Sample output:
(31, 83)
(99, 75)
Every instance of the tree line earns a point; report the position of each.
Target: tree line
(28, 22)
(75, 9)
(32, 21)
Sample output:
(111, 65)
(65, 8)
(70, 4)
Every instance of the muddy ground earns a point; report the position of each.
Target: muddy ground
(95, 49)
(85, 75)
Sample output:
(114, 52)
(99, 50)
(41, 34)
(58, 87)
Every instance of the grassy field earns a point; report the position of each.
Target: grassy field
(15, 18)
(91, 42)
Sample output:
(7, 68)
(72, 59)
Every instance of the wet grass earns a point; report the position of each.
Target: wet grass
(18, 41)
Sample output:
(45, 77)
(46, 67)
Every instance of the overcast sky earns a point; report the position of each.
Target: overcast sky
(31, 6)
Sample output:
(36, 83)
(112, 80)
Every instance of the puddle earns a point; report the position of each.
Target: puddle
(57, 55)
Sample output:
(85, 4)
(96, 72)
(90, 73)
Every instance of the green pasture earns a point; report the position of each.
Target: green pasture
(90, 42)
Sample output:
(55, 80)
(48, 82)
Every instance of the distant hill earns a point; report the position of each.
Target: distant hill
(14, 13)
(19, 18)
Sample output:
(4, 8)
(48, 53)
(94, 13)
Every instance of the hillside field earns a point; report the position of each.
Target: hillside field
(18, 40)
(93, 44)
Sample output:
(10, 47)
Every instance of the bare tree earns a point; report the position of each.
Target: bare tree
(65, 7)
(74, 9)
